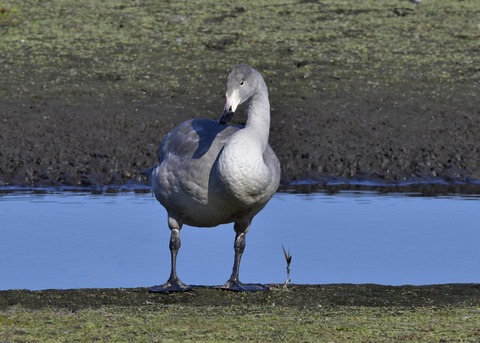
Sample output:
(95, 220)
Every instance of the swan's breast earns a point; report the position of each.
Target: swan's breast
(244, 174)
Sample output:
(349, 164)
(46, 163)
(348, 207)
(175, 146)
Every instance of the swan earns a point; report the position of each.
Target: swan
(210, 173)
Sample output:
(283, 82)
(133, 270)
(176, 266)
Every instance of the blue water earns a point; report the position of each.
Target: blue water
(83, 240)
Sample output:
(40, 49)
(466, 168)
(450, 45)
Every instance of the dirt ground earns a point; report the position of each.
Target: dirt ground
(309, 296)
(359, 90)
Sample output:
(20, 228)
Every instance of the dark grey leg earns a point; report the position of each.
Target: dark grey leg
(174, 284)
(234, 284)
(239, 247)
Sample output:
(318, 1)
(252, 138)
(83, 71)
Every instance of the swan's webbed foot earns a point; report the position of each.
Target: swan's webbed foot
(237, 286)
(172, 285)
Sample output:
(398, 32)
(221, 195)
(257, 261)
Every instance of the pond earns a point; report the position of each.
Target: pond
(84, 240)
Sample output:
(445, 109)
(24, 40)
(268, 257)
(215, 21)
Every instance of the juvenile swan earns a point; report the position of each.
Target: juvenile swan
(210, 173)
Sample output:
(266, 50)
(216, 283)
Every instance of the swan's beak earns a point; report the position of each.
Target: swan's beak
(233, 100)
(225, 117)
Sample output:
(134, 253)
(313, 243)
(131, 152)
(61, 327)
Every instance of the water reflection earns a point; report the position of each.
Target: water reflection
(72, 240)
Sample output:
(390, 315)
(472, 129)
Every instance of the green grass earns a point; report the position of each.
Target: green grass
(167, 47)
(272, 323)
(301, 313)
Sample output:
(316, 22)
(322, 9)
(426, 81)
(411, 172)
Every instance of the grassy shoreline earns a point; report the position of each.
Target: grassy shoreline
(320, 313)
(251, 323)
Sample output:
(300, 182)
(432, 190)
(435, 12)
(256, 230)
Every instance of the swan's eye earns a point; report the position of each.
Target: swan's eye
(242, 83)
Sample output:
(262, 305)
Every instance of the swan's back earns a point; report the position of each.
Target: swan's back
(193, 139)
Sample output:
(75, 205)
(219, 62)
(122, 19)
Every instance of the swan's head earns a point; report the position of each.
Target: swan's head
(242, 83)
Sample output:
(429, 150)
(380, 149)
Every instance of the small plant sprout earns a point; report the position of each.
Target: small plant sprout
(288, 259)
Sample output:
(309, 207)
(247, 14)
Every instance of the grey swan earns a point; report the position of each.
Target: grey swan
(210, 173)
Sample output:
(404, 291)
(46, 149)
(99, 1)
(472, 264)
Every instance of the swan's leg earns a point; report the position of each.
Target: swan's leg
(239, 247)
(234, 284)
(173, 284)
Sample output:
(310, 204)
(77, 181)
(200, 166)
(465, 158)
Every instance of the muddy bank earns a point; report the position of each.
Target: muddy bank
(372, 90)
(302, 296)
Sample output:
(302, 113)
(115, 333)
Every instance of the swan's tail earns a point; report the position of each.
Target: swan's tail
(148, 172)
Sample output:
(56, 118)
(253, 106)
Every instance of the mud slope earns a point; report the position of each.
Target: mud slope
(370, 89)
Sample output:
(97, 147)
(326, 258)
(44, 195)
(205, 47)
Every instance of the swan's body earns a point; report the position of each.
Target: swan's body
(210, 173)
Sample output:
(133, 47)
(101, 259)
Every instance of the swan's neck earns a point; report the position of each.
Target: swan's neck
(241, 165)
(258, 113)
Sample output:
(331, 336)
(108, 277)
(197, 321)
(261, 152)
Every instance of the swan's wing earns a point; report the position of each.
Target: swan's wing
(193, 138)
(186, 156)
(271, 161)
